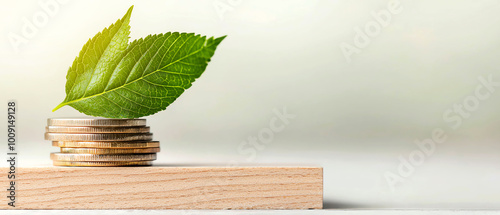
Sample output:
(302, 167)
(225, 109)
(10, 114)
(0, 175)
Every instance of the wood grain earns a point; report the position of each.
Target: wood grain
(162, 187)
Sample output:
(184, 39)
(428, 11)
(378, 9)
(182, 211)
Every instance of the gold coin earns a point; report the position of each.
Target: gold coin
(108, 151)
(97, 163)
(95, 122)
(91, 157)
(111, 144)
(99, 137)
(87, 130)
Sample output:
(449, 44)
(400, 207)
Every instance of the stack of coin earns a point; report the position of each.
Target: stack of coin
(101, 142)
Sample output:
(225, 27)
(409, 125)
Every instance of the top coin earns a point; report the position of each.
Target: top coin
(95, 122)
(96, 130)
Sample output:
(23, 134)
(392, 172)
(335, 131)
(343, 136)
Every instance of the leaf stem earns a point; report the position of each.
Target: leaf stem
(59, 106)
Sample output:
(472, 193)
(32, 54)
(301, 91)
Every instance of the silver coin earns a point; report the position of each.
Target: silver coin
(99, 137)
(92, 130)
(99, 151)
(102, 163)
(108, 157)
(95, 122)
(107, 144)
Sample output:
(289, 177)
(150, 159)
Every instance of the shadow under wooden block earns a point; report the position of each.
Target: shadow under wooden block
(163, 187)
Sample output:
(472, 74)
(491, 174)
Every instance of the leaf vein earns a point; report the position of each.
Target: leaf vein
(156, 53)
(148, 107)
(138, 61)
(121, 108)
(153, 97)
(162, 85)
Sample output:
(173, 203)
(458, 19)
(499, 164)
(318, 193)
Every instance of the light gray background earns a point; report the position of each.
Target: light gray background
(356, 119)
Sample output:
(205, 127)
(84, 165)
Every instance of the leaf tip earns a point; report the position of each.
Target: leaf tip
(129, 12)
(218, 40)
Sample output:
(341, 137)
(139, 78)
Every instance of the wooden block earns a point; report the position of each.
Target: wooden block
(162, 187)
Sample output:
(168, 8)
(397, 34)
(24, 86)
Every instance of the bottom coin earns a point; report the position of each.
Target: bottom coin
(97, 163)
(106, 158)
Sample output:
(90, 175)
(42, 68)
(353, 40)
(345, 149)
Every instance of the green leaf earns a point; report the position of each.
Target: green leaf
(111, 78)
